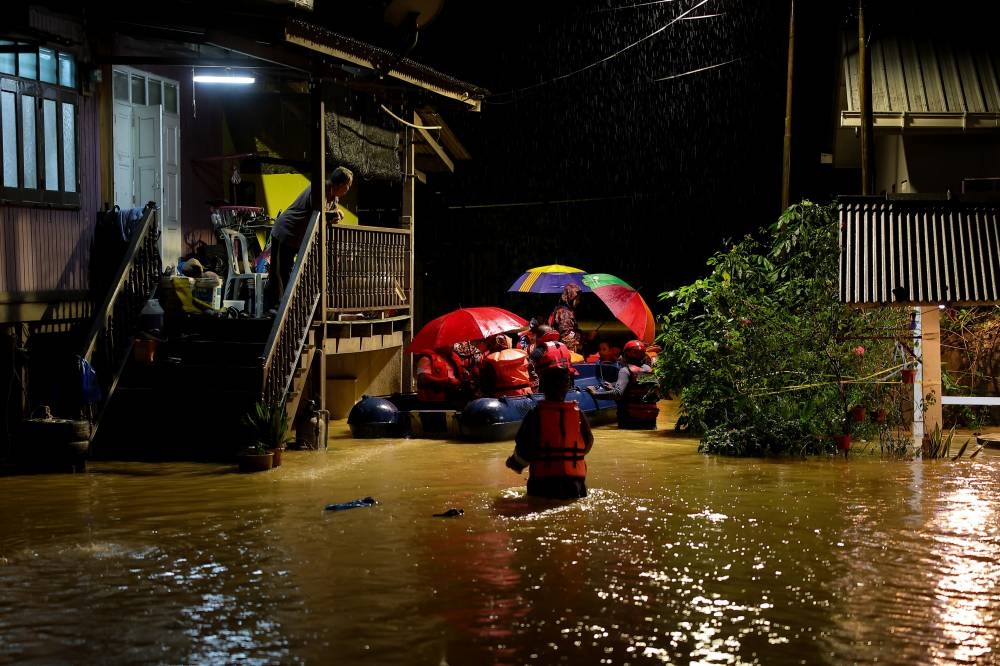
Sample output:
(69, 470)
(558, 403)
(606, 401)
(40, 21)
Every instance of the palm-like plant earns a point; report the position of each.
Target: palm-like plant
(267, 425)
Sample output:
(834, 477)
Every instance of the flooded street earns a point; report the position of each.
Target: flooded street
(674, 558)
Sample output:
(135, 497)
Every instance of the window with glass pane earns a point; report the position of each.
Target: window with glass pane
(38, 146)
(47, 71)
(67, 70)
(69, 147)
(119, 83)
(138, 89)
(155, 92)
(29, 149)
(27, 65)
(51, 143)
(8, 61)
(8, 122)
(170, 98)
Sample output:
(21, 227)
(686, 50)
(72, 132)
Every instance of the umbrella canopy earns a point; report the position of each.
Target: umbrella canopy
(625, 303)
(465, 324)
(548, 279)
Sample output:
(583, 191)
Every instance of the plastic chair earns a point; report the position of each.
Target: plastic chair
(241, 271)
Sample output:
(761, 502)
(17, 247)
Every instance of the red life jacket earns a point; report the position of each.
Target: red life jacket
(510, 372)
(561, 449)
(441, 368)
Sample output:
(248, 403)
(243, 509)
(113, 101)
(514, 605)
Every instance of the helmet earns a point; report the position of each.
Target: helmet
(550, 355)
(634, 349)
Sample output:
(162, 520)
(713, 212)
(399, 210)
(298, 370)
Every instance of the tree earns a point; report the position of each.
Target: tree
(764, 357)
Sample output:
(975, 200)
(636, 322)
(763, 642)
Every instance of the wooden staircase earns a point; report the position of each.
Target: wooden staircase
(189, 402)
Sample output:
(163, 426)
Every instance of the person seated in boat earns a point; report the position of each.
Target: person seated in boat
(554, 437)
(437, 378)
(635, 389)
(468, 359)
(540, 333)
(526, 337)
(505, 370)
(607, 352)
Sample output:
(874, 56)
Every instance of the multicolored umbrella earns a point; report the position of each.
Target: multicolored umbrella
(464, 324)
(625, 303)
(548, 279)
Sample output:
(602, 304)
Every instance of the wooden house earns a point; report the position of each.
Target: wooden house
(930, 237)
(99, 107)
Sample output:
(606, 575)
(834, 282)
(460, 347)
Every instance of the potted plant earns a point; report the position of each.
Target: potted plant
(909, 373)
(267, 426)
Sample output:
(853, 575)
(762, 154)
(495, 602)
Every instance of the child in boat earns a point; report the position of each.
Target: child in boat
(555, 436)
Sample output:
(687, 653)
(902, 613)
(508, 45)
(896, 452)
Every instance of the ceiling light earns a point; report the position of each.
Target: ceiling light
(226, 78)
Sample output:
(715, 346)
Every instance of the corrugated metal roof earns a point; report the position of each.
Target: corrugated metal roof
(922, 83)
(927, 251)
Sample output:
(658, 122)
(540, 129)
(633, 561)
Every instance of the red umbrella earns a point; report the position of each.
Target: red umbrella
(625, 303)
(465, 324)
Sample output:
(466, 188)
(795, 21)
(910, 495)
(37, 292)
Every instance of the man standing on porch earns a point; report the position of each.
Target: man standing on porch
(288, 229)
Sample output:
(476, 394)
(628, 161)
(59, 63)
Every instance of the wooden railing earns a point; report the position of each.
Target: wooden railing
(368, 269)
(295, 314)
(115, 322)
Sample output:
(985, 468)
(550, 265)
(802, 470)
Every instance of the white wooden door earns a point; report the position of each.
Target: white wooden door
(148, 154)
(124, 157)
(170, 218)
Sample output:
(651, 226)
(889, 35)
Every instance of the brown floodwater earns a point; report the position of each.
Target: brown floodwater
(675, 557)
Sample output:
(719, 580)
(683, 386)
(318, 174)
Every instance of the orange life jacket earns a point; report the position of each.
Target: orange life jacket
(441, 368)
(510, 371)
(561, 449)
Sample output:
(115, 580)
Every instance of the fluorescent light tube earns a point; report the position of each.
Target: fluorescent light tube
(213, 78)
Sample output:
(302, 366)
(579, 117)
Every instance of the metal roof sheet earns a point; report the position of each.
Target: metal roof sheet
(917, 251)
(923, 83)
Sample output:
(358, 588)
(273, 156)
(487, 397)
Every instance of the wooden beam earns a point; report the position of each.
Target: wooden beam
(419, 122)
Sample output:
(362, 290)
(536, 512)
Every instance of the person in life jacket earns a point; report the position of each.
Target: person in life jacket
(634, 390)
(437, 379)
(554, 437)
(505, 371)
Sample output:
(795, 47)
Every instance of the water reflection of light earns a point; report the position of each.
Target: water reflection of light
(968, 573)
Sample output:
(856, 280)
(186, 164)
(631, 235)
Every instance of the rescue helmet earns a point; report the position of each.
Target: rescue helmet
(552, 355)
(634, 349)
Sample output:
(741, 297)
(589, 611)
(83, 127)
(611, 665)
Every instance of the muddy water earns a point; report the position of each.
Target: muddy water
(674, 558)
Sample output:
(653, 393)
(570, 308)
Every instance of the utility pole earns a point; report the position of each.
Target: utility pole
(786, 174)
(865, 104)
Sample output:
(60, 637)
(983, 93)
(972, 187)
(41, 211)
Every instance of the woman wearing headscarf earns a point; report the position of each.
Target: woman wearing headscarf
(563, 318)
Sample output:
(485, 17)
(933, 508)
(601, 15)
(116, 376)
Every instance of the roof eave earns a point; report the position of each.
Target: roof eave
(320, 40)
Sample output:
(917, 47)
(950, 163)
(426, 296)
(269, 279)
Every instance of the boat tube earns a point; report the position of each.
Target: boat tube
(481, 420)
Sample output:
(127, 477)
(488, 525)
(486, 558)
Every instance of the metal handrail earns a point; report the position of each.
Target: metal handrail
(295, 314)
(109, 341)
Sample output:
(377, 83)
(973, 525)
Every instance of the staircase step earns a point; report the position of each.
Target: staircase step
(149, 424)
(187, 378)
(211, 352)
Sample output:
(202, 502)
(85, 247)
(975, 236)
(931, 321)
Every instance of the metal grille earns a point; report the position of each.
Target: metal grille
(919, 252)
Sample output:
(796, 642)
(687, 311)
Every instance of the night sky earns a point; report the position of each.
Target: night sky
(602, 145)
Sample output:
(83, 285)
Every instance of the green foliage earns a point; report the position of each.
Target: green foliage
(267, 426)
(764, 357)
(970, 352)
(937, 444)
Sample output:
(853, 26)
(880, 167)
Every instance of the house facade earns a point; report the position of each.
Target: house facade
(928, 238)
(99, 108)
